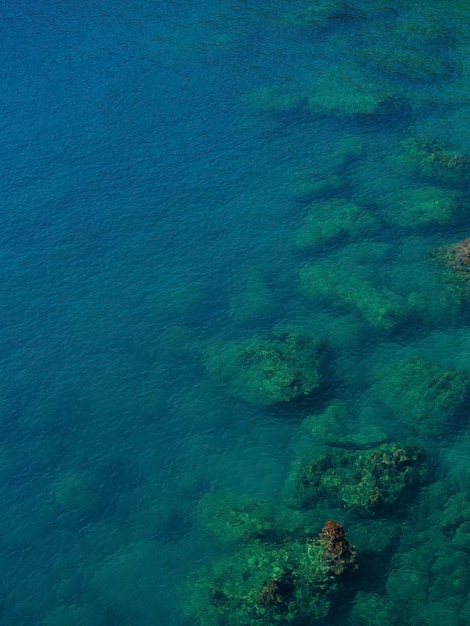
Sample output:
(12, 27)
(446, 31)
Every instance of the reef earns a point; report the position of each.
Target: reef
(434, 160)
(267, 369)
(339, 554)
(327, 282)
(428, 579)
(366, 481)
(287, 582)
(421, 394)
(335, 426)
(419, 207)
(346, 90)
(372, 609)
(326, 174)
(335, 219)
(455, 259)
(310, 182)
(230, 517)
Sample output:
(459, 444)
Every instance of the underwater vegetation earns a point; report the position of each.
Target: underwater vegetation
(292, 581)
(428, 576)
(368, 481)
(420, 207)
(424, 396)
(455, 261)
(434, 160)
(326, 282)
(335, 219)
(265, 370)
(230, 517)
(327, 173)
(343, 90)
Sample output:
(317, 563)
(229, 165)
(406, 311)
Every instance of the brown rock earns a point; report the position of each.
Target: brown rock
(339, 553)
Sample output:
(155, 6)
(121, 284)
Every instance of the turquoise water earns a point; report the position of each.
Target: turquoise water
(182, 180)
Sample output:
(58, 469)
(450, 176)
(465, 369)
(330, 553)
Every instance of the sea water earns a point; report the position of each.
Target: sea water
(159, 162)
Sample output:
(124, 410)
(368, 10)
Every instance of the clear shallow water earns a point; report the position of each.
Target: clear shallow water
(157, 166)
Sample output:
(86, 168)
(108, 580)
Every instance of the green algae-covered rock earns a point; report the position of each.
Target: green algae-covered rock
(232, 518)
(418, 207)
(333, 219)
(267, 369)
(456, 512)
(325, 281)
(337, 426)
(310, 182)
(422, 394)
(324, 175)
(363, 480)
(75, 496)
(428, 580)
(289, 582)
(455, 262)
(345, 90)
(434, 160)
(327, 426)
(407, 586)
(126, 584)
(372, 609)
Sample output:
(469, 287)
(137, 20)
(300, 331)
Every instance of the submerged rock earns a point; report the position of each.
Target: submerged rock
(288, 582)
(416, 207)
(345, 90)
(455, 258)
(422, 394)
(335, 219)
(379, 306)
(434, 160)
(267, 369)
(234, 518)
(367, 481)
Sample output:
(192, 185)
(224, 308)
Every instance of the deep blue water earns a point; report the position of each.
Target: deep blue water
(155, 159)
